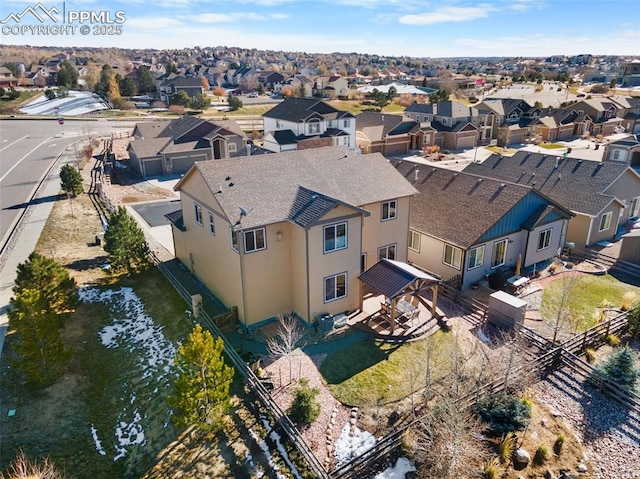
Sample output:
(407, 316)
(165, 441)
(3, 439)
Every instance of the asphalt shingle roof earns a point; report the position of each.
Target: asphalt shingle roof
(457, 207)
(576, 184)
(270, 185)
(297, 109)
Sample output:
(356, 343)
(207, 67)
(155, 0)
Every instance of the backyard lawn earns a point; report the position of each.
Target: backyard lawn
(371, 372)
(585, 297)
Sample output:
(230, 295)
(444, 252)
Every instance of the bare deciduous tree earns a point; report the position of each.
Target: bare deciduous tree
(563, 315)
(288, 337)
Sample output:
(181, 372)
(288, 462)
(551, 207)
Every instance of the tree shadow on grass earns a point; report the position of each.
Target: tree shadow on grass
(346, 363)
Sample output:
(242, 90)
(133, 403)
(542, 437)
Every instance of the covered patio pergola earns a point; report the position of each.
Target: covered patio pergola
(395, 279)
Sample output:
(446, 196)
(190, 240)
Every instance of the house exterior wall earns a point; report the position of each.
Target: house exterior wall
(377, 233)
(532, 254)
(578, 230)
(315, 143)
(430, 257)
(610, 232)
(323, 265)
(625, 188)
(299, 272)
(210, 257)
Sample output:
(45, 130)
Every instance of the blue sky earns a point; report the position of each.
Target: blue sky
(388, 27)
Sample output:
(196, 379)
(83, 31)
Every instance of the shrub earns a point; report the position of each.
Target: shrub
(628, 300)
(542, 455)
(558, 444)
(612, 340)
(304, 409)
(569, 265)
(506, 446)
(491, 468)
(590, 355)
(504, 413)
(620, 367)
(633, 319)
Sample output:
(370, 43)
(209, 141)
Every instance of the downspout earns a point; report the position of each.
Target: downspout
(360, 288)
(306, 247)
(242, 279)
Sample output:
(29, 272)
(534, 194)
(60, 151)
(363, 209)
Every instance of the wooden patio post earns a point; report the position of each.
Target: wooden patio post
(434, 304)
(393, 313)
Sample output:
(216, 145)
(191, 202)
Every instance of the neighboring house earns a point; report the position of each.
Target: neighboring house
(391, 134)
(601, 116)
(301, 123)
(625, 150)
(7, 79)
(629, 112)
(560, 125)
(512, 120)
(290, 232)
(333, 86)
(171, 147)
(631, 73)
(601, 195)
(270, 79)
(468, 225)
(454, 123)
(173, 84)
(295, 84)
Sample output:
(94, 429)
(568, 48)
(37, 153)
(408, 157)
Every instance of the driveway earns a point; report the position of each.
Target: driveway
(153, 213)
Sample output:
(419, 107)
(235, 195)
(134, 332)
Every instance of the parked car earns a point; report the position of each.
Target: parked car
(253, 95)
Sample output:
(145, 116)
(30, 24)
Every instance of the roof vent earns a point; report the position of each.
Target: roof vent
(230, 185)
(415, 177)
(227, 178)
(480, 180)
(502, 185)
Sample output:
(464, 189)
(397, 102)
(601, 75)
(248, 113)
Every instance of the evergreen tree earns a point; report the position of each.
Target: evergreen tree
(125, 243)
(234, 102)
(620, 367)
(203, 380)
(71, 180)
(67, 75)
(199, 102)
(113, 92)
(181, 99)
(106, 74)
(146, 82)
(127, 87)
(52, 279)
(44, 295)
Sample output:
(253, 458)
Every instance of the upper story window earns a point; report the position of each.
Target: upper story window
(278, 124)
(212, 228)
(232, 147)
(314, 126)
(605, 221)
(544, 240)
(387, 252)
(197, 210)
(347, 123)
(452, 256)
(389, 210)
(335, 237)
(414, 241)
(254, 240)
(634, 209)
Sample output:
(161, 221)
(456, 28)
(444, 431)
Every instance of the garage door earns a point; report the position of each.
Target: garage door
(397, 149)
(564, 134)
(152, 168)
(466, 142)
(181, 165)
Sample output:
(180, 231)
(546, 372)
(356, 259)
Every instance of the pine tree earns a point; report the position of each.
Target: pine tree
(203, 380)
(44, 295)
(620, 367)
(125, 243)
(71, 180)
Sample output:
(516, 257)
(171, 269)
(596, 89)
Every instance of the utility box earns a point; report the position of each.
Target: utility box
(196, 304)
(506, 311)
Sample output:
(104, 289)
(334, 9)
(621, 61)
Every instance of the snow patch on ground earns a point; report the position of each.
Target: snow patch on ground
(399, 471)
(135, 331)
(349, 446)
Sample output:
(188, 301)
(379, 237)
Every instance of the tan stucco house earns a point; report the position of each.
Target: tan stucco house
(290, 231)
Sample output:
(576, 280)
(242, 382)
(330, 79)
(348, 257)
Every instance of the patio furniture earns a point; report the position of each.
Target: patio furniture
(516, 283)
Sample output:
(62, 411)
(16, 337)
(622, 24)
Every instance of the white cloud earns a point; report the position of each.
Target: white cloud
(448, 14)
(524, 5)
(151, 23)
(214, 18)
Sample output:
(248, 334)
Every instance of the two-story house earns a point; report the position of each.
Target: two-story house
(292, 231)
(171, 147)
(173, 84)
(332, 86)
(629, 111)
(602, 116)
(514, 119)
(601, 195)
(391, 134)
(624, 150)
(301, 123)
(455, 124)
(467, 226)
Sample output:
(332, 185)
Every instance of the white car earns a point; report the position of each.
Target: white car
(252, 95)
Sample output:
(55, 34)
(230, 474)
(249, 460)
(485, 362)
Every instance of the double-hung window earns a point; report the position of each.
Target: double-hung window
(212, 228)
(605, 221)
(254, 240)
(452, 256)
(389, 210)
(335, 287)
(544, 240)
(414, 241)
(197, 210)
(476, 257)
(335, 237)
(499, 255)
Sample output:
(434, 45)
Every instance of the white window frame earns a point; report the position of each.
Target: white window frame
(232, 147)
(336, 247)
(212, 227)
(254, 233)
(452, 262)
(234, 240)
(392, 210)
(544, 238)
(476, 263)
(383, 251)
(197, 213)
(314, 126)
(605, 221)
(347, 123)
(504, 254)
(413, 234)
(616, 154)
(634, 208)
(335, 296)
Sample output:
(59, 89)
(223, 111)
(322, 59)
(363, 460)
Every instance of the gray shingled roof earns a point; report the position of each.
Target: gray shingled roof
(457, 207)
(392, 278)
(576, 184)
(269, 185)
(449, 109)
(298, 109)
(148, 148)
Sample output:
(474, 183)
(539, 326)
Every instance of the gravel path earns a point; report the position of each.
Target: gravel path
(610, 435)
